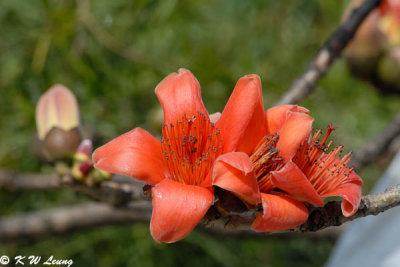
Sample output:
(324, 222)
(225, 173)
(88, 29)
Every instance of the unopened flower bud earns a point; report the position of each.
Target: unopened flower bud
(57, 121)
(82, 162)
(56, 108)
(81, 169)
(84, 151)
(59, 144)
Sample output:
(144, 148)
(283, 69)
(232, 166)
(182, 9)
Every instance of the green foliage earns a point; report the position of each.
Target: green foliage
(112, 54)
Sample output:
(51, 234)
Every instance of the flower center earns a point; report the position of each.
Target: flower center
(190, 147)
(266, 159)
(325, 170)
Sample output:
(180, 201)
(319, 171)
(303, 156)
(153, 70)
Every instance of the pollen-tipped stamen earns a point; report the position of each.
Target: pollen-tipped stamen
(266, 159)
(325, 170)
(190, 146)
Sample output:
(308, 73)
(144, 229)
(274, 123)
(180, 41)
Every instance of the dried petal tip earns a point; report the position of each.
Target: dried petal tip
(56, 108)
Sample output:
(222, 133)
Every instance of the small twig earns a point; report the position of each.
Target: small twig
(332, 49)
(119, 191)
(377, 146)
(116, 193)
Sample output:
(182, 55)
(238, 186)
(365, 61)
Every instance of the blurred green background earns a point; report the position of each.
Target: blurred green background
(112, 54)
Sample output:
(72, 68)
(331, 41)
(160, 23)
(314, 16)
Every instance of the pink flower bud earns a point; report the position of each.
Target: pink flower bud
(56, 108)
(84, 150)
(57, 121)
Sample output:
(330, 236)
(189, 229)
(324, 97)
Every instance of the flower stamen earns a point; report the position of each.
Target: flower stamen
(266, 159)
(190, 147)
(325, 170)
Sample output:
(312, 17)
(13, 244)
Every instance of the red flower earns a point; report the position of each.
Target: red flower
(317, 174)
(182, 165)
(303, 171)
(267, 153)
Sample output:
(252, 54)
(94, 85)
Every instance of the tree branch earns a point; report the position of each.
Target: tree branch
(331, 213)
(13, 181)
(377, 146)
(332, 49)
(119, 191)
(319, 218)
(63, 220)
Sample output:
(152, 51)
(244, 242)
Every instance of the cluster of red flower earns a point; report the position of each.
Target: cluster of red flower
(265, 158)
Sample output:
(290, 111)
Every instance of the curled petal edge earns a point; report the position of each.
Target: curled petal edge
(351, 194)
(276, 117)
(234, 172)
(280, 212)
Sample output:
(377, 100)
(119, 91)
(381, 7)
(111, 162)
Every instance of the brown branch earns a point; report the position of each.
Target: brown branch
(66, 219)
(377, 146)
(331, 213)
(114, 192)
(12, 181)
(119, 191)
(63, 220)
(332, 49)
(319, 218)
(331, 233)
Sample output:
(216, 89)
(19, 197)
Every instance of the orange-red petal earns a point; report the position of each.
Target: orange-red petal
(280, 212)
(240, 121)
(351, 194)
(294, 131)
(177, 209)
(275, 117)
(179, 94)
(234, 172)
(292, 180)
(136, 153)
